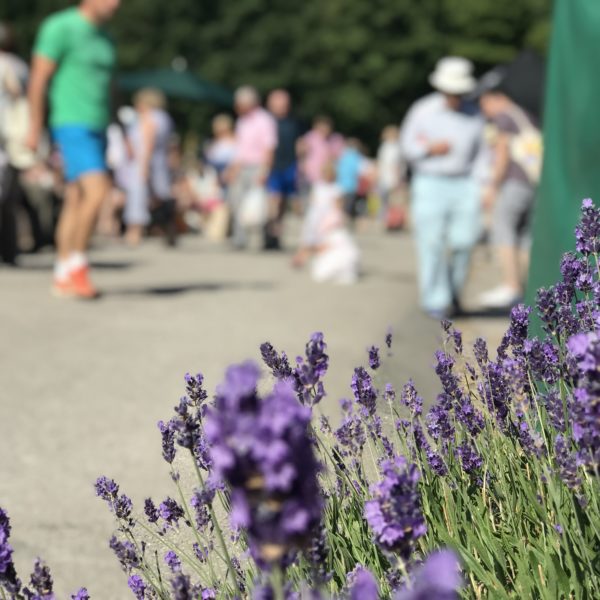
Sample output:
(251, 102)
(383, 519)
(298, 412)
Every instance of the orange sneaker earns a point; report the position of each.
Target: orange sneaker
(62, 288)
(81, 284)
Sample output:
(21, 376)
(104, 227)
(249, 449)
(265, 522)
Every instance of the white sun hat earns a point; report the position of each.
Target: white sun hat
(453, 75)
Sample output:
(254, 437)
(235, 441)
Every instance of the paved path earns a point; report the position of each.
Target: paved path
(82, 385)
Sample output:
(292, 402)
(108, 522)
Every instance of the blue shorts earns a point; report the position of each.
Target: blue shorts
(283, 181)
(83, 150)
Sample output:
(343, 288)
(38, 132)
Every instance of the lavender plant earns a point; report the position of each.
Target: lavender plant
(492, 492)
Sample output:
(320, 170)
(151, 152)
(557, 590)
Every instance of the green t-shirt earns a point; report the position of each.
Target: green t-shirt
(85, 57)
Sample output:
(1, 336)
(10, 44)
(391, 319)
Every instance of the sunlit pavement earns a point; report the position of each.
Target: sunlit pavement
(83, 384)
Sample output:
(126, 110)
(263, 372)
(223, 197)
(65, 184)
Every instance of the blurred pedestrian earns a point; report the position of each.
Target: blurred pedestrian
(317, 149)
(390, 167)
(150, 183)
(220, 152)
(74, 56)
(14, 156)
(511, 187)
(439, 138)
(255, 143)
(325, 236)
(348, 171)
(282, 182)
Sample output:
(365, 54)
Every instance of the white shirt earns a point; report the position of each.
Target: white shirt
(389, 165)
(431, 120)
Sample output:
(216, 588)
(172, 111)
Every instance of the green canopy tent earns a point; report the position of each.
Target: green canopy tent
(571, 169)
(176, 84)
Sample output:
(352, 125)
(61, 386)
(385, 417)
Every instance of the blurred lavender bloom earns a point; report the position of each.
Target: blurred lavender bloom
(389, 394)
(351, 435)
(394, 512)
(434, 460)
(411, 399)
(364, 392)
(437, 579)
(566, 462)
(584, 348)
(172, 561)
(374, 361)
(587, 232)
(182, 588)
(81, 594)
(263, 451)
(5, 548)
(454, 335)
(361, 584)
(137, 586)
(555, 409)
(388, 338)
(317, 555)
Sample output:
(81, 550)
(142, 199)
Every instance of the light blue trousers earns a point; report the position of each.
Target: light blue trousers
(446, 222)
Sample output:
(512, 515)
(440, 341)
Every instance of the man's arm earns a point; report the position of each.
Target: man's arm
(42, 70)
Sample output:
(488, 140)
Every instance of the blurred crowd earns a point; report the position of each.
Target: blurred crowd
(467, 155)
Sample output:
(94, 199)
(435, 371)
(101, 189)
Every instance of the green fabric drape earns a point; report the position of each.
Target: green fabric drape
(571, 170)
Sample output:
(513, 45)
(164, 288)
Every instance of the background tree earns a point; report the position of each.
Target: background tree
(361, 62)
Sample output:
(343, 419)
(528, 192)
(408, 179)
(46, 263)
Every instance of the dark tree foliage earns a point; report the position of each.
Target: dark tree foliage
(363, 62)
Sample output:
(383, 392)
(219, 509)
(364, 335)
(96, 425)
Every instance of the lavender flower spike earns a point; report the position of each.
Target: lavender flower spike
(438, 579)
(81, 594)
(362, 584)
(374, 361)
(137, 586)
(394, 514)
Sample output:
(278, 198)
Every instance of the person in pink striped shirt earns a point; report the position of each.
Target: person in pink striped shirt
(255, 143)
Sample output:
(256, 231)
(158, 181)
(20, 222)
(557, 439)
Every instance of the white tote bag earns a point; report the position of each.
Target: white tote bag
(254, 208)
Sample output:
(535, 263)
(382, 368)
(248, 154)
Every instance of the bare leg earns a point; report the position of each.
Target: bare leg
(68, 220)
(134, 234)
(94, 189)
(509, 263)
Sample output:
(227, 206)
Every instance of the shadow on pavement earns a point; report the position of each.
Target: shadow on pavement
(485, 313)
(184, 288)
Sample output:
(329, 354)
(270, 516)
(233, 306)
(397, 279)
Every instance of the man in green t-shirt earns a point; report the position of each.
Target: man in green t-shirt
(74, 57)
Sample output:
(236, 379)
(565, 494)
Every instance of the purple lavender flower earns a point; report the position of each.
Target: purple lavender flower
(182, 588)
(454, 335)
(278, 363)
(5, 550)
(587, 232)
(566, 462)
(374, 361)
(172, 561)
(470, 460)
(126, 553)
(81, 594)
(555, 410)
(437, 579)
(439, 422)
(411, 399)
(364, 392)
(517, 330)
(41, 581)
(308, 374)
(480, 351)
(108, 490)
(584, 349)
(168, 441)
(351, 435)
(362, 584)
(262, 449)
(151, 511)
(394, 512)
(388, 338)
(170, 511)
(201, 500)
(543, 360)
(208, 594)
(317, 555)
(137, 586)
(195, 389)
